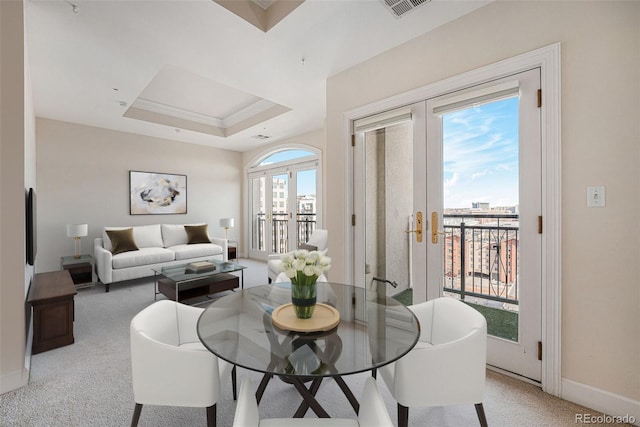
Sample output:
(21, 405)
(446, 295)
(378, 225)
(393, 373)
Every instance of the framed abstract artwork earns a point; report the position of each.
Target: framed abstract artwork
(153, 193)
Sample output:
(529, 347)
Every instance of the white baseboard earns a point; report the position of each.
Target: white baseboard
(601, 401)
(14, 380)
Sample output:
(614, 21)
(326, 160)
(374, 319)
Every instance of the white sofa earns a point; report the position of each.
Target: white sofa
(158, 245)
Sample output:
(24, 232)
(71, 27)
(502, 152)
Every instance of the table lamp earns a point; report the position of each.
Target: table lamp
(226, 223)
(77, 231)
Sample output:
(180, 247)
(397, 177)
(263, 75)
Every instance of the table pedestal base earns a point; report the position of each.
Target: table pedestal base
(309, 400)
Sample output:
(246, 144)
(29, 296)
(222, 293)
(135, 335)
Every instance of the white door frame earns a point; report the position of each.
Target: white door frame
(548, 59)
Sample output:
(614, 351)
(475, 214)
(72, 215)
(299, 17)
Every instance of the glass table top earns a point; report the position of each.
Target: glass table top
(374, 330)
(179, 273)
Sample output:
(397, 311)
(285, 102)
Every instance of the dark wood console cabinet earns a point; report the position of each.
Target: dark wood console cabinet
(51, 296)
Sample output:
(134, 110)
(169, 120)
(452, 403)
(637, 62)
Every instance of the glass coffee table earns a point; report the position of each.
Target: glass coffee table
(176, 282)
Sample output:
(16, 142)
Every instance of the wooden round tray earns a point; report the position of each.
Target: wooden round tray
(324, 318)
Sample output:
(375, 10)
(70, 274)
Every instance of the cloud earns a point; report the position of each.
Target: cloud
(480, 153)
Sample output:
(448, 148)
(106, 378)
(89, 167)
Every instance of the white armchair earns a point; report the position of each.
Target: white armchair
(318, 239)
(372, 412)
(448, 364)
(169, 364)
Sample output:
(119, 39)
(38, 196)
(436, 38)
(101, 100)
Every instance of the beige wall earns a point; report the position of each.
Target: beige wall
(83, 177)
(17, 174)
(600, 146)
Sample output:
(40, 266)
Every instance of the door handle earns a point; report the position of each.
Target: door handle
(434, 228)
(418, 229)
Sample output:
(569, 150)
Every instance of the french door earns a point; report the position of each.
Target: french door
(389, 201)
(484, 195)
(283, 208)
(472, 185)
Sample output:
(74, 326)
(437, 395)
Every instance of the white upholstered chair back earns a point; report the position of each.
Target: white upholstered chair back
(448, 364)
(373, 412)
(319, 238)
(169, 364)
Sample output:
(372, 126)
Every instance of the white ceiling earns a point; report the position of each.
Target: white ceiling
(89, 67)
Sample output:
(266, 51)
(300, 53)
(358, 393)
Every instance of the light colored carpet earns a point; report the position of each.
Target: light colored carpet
(89, 383)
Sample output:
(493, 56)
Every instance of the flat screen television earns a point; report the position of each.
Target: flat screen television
(31, 227)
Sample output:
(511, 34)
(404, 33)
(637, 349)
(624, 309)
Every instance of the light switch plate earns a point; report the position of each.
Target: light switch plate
(596, 197)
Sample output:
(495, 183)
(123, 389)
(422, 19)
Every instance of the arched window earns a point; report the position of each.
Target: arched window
(286, 155)
(284, 200)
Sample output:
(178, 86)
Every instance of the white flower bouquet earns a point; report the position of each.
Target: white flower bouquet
(304, 267)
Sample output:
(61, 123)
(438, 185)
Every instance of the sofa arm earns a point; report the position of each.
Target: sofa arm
(225, 247)
(103, 259)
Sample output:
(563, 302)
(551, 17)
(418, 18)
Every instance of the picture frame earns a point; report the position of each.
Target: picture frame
(156, 193)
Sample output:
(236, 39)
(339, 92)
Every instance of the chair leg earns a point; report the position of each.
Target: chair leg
(136, 415)
(403, 416)
(481, 416)
(211, 415)
(234, 383)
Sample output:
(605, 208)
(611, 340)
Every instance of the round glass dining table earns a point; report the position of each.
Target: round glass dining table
(374, 330)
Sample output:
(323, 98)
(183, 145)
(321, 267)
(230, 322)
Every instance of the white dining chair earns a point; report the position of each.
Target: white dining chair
(169, 364)
(448, 364)
(317, 241)
(372, 412)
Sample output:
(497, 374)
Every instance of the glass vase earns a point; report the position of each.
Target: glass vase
(303, 298)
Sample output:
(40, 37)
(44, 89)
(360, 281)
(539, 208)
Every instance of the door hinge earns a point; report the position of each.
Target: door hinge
(540, 224)
(353, 220)
(539, 350)
(353, 140)
(539, 98)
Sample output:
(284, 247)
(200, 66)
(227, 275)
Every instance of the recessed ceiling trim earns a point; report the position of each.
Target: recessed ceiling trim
(252, 110)
(168, 110)
(262, 14)
(173, 122)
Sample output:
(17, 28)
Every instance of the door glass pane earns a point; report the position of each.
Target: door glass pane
(258, 214)
(481, 211)
(388, 207)
(305, 205)
(280, 213)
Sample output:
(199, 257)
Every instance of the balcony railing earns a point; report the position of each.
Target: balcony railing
(481, 256)
(305, 226)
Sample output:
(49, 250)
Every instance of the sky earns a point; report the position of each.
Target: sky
(480, 155)
(306, 179)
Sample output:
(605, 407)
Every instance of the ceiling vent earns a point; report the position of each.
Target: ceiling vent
(260, 136)
(401, 7)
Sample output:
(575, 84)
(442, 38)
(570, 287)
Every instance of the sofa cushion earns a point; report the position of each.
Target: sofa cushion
(142, 256)
(122, 240)
(197, 234)
(174, 234)
(196, 250)
(145, 236)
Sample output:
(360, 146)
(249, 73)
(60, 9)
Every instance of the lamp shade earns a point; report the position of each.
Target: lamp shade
(77, 230)
(226, 222)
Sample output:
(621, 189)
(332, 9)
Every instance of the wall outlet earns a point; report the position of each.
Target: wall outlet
(596, 197)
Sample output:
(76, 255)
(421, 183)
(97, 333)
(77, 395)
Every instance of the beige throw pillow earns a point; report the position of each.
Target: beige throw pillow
(197, 234)
(122, 240)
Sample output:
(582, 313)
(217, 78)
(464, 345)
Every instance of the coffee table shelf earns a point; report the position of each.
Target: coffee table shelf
(178, 284)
